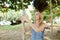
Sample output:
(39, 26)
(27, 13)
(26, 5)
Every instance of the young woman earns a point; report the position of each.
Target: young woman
(38, 25)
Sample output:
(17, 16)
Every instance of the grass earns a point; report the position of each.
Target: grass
(11, 27)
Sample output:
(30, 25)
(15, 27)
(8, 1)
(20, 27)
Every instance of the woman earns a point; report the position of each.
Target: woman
(38, 25)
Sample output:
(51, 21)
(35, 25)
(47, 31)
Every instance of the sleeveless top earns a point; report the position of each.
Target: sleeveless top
(37, 35)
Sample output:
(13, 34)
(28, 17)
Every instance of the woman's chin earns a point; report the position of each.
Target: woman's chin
(36, 19)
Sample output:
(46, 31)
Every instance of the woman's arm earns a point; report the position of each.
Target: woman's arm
(35, 27)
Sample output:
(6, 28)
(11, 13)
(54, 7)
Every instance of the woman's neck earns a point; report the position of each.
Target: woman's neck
(37, 21)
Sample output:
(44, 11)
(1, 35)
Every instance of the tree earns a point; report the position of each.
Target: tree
(14, 4)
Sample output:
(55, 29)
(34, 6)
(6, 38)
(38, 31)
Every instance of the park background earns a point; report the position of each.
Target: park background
(11, 12)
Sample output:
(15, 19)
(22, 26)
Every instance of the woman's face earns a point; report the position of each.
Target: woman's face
(37, 16)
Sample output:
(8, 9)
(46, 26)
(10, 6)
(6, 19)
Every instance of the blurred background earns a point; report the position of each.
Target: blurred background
(12, 10)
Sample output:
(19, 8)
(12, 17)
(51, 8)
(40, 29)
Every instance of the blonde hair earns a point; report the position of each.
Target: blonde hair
(40, 19)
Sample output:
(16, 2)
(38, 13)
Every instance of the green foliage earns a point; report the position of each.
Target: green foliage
(54, 2)
(56, 11)
(10, 15)
(17, 5)
(32, 13)
(14, 4)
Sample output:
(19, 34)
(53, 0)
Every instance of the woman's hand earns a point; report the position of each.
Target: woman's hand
(25, 18)
(22, 19)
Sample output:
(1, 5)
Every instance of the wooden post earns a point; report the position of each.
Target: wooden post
(23, 8)
(51, 14)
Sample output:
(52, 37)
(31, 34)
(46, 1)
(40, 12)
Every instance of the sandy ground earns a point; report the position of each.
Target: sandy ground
(17, 34)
